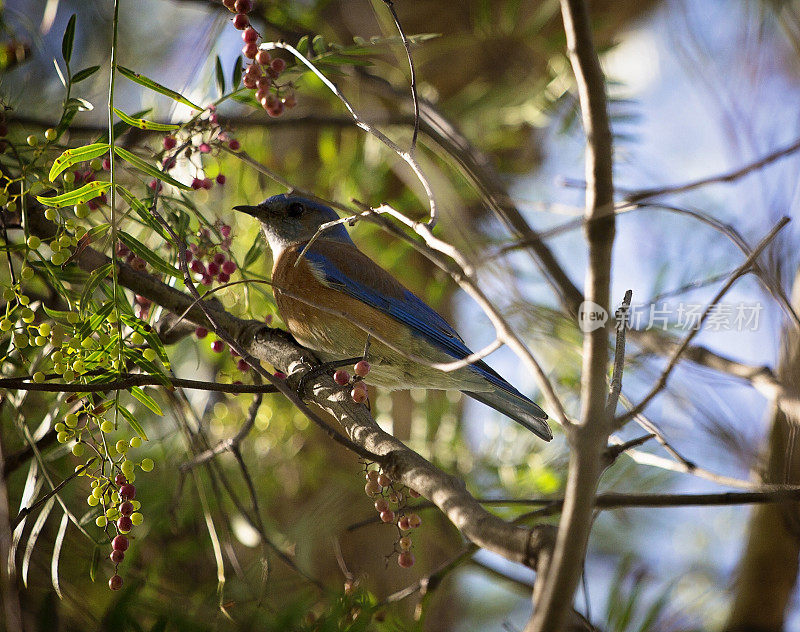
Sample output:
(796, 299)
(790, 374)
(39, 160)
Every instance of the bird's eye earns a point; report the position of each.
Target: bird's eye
(295, 209)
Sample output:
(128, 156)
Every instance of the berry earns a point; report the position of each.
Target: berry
(127, 491)
(197, 183)
(249, 34)
(147, 465)
(32, 140)
(212, 268)
(240, 21)
(243, 366)
(124, 524)
(170, 142)
(414, 520)
(197, 266)
(229, 4)
(222, 277)
(275, 109)
(204, 148)
(229, 267)
(120, 543)
(263, 57)
(278, 65)
(120, 479)
(126, 508)
(372, 488)
(50, 134)
(117, 556)
(403, 524)
(220, 178)
(381, 505)
(217, 346)
(372, 475)
(250, 50)
(249, 82)
(115, 583)
(290, 101)
(387, 516)
(135, 442)
(361, 368)
(201, 332)
(358, 395)
(234, 144)
(405, 543)
(405, 559)
(341, 377)
(106, 164)
(243, 6)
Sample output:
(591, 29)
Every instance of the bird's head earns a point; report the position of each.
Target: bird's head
(290, 219)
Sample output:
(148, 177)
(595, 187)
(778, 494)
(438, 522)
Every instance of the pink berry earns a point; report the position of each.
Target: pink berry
(372, 488)
(243, 366)
(240, 21)
(405, 559)
(263, 57)
(386, 516)
(405, 543)
(234, 144)
(249, 34)
(263, 83)
(204, 148)
(381, 505)
(120, 543)
(341, 377)
(243, 6)
(414, 520)
(170, 142)
(384, 481)
(249, 82)
(225, 230)
(126, 508)
(220, 179)
(403, 523)
(115, 583)
(372, 475)
(106, 164)
(217, 346)
(275, 109)
(250, 50)
(278, 65)
(361, 368)
(127, 491)
(124, 524)
(117, 556)
(120, 479)
(290, 101)
(197, 183)
(359, 395)
(229, 267)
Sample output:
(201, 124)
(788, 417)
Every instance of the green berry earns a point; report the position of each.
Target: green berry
(45, 329)
(121, 446)
(59, 427)
(20, 341)
(58, 367)
(92, 501)
(112, 513)
(147, 465)
(11, 206)
(78, 366)
(50, 134)
(9, 294)
(71, 420)
(62, 437)
(78, 449)
(137, 338)
(27, 315)
(149, 355)
(34, 242)
(57, 258)
(137, 518)
(81, 211)
(32, 140)
(50, 214)
(96, 164)
(127, 468)
(101, 521)
(69, 177)
(107, 426)
(80, 231)
(69, 375)
(24, 300)
(38, 377)
(135, 442)
(5, 324)
(136, 505)
(40, 341)
(26, 274)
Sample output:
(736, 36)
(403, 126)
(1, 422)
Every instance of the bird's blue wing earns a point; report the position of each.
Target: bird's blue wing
(409, 310)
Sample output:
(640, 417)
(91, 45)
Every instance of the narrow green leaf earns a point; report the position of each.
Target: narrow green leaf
(220, 76)
(141, 210)
(144, 124)
(156, 87)
(120, 127)
(62, 530)
(35, 532)
(133, 422)
(95, 278)
(135, 356)
(68, 40)
(147, 168)
(254, 253)
(95, 563)
(148, 401)
(236, 78)
(84, 74)
(84, 194)
(60, 74)
(77, 154)
(78, 104)
(148, 254)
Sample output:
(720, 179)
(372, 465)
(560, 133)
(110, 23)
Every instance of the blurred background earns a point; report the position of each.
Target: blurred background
(696, 89)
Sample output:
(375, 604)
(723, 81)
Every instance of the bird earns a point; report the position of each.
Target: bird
(325, 290)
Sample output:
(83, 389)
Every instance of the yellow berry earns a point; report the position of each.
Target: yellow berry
(78, 366)
(135, 442)
(92, 501)
(81, 211)
(149, 355)
(107, 426)
(71, 420)
(136, 505)
(32, 140)
(137, 338)
(69, 177)
(45, 329)
(62, 437)
(101, 521)
(11, 206)
(27, 315)
(50, 214)
(78, 449)
(26, 274)
(5, 324)
(121, 446)
(34, 242)
(40, 341)
(38, 377)
(137, 518)
(147, 465)
(50, 134)
(127, 468)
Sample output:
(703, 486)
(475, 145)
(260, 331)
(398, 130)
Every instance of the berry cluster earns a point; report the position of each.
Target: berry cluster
(209, 260)
(126, 518)
(390, 504)
(262, 74)
(359, 388)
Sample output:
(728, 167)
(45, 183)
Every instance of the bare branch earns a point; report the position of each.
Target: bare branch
(619, 354)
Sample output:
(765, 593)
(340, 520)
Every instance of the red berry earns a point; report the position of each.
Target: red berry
(290, 101)
(414, 520)
(405, 559)
(170, 142)
(207, 183)
(197, 266)
(106, 164)
(263, 57)
(386, 516)
(372, 488)
(120, 479)
(278, 65)
(280, 375)
(249, 34)
(275, 109)
(405, 543)
(220, 178)
(120, 543)
(250, 50)
(341, 377)
(213, 268)
(229, 4)
(197, 183)
(126, 508)
(361, 368)
(234, 144)
(204, 148)
(222, 277)
(263, 84)
(115, 583)
(249, 82)
(117, 556)
(243, 366)
(124, 524)
(217, 346)
(127, 491)
(359, 395)
(381, 505)
(403, 523)
(240, 21)
(243, 6)
(384, 481)
(229, 267)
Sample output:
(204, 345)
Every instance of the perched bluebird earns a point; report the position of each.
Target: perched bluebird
(334, 287)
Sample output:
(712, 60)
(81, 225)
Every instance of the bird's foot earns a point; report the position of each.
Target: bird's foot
(309, 377)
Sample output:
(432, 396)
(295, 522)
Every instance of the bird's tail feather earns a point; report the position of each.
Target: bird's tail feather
(518, 407)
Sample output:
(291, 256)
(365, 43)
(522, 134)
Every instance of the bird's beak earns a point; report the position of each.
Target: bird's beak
(250, 210)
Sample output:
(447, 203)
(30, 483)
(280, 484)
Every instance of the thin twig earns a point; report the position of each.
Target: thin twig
(26, 383)
(619, 354)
